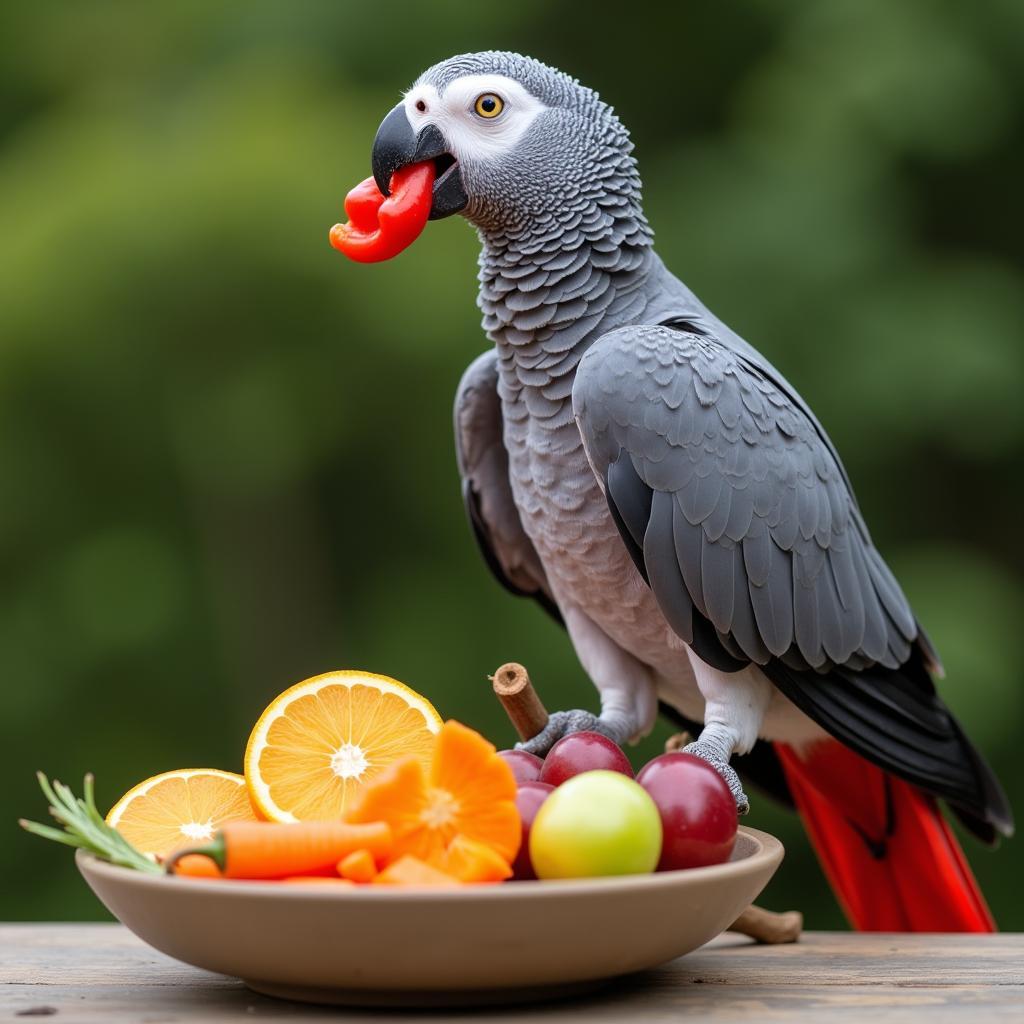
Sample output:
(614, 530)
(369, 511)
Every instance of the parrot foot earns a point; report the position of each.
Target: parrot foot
(562, 723)
(712, 755)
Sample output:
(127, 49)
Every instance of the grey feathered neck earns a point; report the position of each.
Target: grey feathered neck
(566, 249)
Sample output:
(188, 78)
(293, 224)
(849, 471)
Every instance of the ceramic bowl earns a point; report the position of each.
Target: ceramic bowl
(488, 943)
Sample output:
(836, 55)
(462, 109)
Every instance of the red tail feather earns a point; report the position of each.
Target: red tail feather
(886, 849)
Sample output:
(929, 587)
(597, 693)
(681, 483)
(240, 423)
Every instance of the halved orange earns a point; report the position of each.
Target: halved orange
(319, 743)
(184, 806)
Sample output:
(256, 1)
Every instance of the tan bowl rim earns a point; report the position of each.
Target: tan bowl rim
(767, 849)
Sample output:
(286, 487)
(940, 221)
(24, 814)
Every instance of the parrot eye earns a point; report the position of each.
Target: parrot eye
(488, 105)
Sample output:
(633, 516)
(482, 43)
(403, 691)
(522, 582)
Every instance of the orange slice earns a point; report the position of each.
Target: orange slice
(467, 789)
(359, 866)
(319, 743)
(179, 807)
(471, 861)
(410, 870)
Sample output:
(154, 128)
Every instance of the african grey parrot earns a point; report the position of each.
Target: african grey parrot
(656, 484)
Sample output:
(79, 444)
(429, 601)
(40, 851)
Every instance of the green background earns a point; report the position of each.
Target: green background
(225, 452)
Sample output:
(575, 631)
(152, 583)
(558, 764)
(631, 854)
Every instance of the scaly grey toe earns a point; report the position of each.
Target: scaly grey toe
(710, 754)
(560, 724)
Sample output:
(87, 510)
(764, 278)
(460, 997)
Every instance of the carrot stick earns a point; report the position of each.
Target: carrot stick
(260, 849)
(194, 865)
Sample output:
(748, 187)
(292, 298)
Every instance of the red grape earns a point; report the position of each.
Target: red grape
(583, 752)
(525, 766)
(698, 813)
(529, 797)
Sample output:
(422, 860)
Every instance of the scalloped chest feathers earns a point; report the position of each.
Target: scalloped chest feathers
(541, 334)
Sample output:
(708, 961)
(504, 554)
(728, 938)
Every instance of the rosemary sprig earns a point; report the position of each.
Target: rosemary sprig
(84, 826)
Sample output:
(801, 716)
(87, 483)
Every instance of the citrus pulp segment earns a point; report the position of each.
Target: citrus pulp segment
(322, 740)
(180, 807)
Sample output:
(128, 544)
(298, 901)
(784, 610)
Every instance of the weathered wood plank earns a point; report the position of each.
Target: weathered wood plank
(731, 1005)
(101, 974)
(843, 958)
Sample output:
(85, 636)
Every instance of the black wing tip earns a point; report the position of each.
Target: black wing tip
(842, 703)
(984, 830)
(996, 811)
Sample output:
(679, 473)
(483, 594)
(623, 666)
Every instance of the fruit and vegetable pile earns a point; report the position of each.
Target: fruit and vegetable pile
(353, 779)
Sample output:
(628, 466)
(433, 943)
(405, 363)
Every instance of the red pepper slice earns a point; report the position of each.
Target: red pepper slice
(380, 228)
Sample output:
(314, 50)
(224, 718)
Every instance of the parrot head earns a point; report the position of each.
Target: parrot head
(503, 139)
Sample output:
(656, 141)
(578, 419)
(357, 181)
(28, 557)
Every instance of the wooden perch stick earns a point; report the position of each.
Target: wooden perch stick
(528, 716)
(513, 688)
(767, 927)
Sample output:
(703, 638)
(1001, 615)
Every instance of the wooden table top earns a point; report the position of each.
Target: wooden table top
(86, 973)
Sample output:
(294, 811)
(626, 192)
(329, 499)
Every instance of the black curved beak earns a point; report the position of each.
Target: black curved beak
(398, 145)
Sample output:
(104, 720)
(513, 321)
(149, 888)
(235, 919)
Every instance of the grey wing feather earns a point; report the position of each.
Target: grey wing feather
(737, 512)
(761, 521)
(483, 465)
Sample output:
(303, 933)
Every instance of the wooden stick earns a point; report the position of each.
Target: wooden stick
(677, 741)
(528, 715)
(513, 688)
(767, 927)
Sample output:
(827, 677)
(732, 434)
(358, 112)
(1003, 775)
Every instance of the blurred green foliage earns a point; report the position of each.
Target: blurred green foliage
(225, 452)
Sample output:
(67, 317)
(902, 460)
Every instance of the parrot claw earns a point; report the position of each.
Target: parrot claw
(706, 752)
(562, 723)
